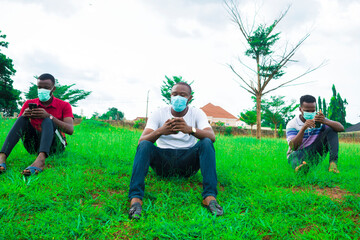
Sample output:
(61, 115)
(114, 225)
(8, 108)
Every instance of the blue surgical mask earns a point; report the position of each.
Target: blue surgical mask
(178, 103)
(309, 115)
(44, 94)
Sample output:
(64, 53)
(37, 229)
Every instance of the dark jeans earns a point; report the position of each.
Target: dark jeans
(34, 142)
(327, 141)
(174, 162)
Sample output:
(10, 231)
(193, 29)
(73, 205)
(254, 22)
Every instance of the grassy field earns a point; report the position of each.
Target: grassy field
(82, 194)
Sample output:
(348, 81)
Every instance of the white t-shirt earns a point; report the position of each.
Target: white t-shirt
(194, 118)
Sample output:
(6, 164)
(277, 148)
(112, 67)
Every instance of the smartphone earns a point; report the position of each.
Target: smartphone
(33, 105)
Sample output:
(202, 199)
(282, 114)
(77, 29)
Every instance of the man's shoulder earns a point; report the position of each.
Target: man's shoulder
(195, 110)
(61, 102)
(293, 122)
(161, 110)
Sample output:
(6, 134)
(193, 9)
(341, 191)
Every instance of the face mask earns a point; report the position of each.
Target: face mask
(44, 94)
(178, 103)
(309, 115)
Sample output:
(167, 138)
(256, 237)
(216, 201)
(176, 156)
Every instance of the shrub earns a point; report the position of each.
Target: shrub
(228, 131)
(139, 122)
(219, 123)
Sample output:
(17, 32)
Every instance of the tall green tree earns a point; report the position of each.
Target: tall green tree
(337, 108)
(63, 92)
(114, 113)
(277, 113)
(269, 63)
(9, 96)
(319, 106)
(324, 108)
(249, 117)
(168, 85)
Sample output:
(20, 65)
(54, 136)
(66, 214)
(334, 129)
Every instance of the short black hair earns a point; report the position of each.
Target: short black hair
(46, 76)
(184, 84)
(307, 98)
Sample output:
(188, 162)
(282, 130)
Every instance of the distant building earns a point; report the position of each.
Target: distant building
(355, 128)
(217, 113)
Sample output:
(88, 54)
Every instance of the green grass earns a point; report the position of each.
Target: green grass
(82, 194)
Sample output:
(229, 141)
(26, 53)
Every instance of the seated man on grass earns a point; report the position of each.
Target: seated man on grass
(40, 125)
(311, 136)
(176, 129)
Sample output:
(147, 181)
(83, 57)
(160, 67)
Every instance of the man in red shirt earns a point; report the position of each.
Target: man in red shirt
(41, 126)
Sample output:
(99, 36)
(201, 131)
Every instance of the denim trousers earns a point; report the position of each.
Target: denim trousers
(34, 141)
(174, 162)
(326, 142)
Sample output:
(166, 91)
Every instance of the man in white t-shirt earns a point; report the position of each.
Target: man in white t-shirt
(176, 130)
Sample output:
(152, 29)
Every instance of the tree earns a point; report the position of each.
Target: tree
(114, 113)
(269, 64)
(62, 92)
(277, 114)
(249, 117)
(168, 85)
(319, 106)
(324, 108)
(9, 97)
(337, 109)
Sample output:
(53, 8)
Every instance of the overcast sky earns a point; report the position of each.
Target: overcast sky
(120, 49)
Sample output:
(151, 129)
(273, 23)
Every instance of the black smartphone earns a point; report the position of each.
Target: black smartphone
(33, 105)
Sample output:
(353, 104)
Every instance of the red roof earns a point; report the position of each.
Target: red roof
(216, 112)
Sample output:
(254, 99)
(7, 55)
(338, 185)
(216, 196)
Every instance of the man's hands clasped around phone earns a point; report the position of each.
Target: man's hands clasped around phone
(173, 126)
(36, 113)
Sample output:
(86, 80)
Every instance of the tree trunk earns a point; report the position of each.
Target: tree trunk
(251, 129)
(275, 132)
(258, 100)
(258, 116)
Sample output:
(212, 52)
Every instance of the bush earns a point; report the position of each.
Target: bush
(90, 123)
(280, 131)
(228, 131)
(219, 123)
(139, 122)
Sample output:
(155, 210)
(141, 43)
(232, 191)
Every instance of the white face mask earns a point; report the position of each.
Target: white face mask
(44, 94)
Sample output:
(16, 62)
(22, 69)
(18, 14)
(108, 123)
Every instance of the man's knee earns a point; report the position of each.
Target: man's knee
(206, 143)
(22, 119)
(46, 121)
(330, 132)
(145, 145)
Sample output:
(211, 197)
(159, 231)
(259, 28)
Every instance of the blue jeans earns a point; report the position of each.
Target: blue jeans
(327, 141)
(174, 162)
(34, 142)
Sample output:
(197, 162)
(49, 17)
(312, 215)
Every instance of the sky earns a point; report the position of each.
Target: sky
(121, 50)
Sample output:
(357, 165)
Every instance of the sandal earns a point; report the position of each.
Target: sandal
(33, 170)
(4, 166)
(214, 208)
(135, 211)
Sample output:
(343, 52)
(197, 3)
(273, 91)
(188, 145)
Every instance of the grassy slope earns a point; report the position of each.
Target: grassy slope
(83, 193)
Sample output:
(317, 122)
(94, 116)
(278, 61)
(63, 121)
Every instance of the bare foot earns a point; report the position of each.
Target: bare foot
(39, 162)
(207, 200)
(333, 168)
(134, 200)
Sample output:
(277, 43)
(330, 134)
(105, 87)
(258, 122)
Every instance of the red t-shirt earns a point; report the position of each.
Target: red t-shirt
(58, 108)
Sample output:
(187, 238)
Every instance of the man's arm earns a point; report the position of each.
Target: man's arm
(336, 126)
(180, 125)
(66, 125)
(297, 140)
